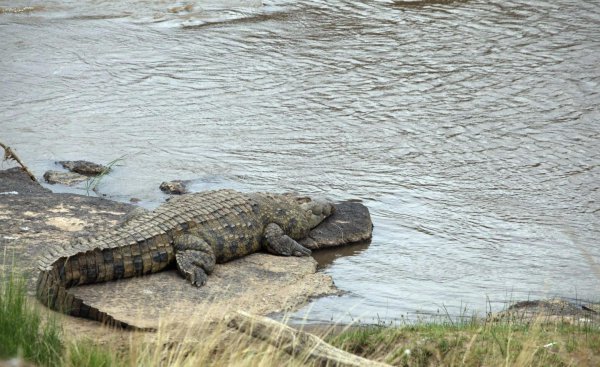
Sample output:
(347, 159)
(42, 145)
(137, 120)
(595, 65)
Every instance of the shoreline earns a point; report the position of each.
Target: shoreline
(84, 215)
(34, 216)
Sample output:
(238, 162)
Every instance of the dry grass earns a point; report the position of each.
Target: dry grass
(474, 342)
(25, 331)
(197, 345)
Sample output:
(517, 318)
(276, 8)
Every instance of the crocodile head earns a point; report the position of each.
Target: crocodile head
(316, 210)
(295, 214)
(307, 213)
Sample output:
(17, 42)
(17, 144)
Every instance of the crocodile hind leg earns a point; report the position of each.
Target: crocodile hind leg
(195, 258)
(279, 243)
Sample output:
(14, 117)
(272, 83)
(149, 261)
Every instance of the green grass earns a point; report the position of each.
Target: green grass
(30, 333)
(26, 333)
(23, 333)
(92, 183)
(85, 353)
(475, 343)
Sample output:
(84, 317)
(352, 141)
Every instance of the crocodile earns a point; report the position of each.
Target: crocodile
(194, 232)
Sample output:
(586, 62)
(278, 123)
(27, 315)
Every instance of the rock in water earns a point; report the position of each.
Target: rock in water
(84, 167)
(176, 187)
(351, 222)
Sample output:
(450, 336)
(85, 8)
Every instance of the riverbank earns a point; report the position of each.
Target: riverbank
(35, 219)
(27, 331)
(476, 343)
(195, 329)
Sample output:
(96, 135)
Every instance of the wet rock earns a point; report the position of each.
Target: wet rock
(551, 310)
(176, 187)
(350, 223)
(84, 167)
(64, 178)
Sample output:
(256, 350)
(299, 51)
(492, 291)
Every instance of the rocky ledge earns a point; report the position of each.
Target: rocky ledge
(32, 217)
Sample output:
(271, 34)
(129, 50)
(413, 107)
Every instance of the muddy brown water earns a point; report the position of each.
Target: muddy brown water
(469, 128)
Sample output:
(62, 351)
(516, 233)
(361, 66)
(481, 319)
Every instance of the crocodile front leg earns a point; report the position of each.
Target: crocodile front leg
(278, 243)
(195, 258)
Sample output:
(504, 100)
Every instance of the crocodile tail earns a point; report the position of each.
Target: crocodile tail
(53, 291)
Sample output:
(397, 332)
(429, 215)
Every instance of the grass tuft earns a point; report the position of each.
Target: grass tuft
(85, 353)
(92, 183)
(22, 332)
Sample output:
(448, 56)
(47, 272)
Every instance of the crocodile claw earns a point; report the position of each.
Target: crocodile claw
(300, 250)
(199, 278)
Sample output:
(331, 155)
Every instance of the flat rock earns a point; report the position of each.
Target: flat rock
(259, 283)
(33, 218)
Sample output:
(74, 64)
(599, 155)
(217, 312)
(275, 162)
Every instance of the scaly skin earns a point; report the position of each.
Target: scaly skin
(195, 231)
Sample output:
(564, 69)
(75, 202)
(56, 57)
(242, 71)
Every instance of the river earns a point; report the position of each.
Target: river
(471, 129)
